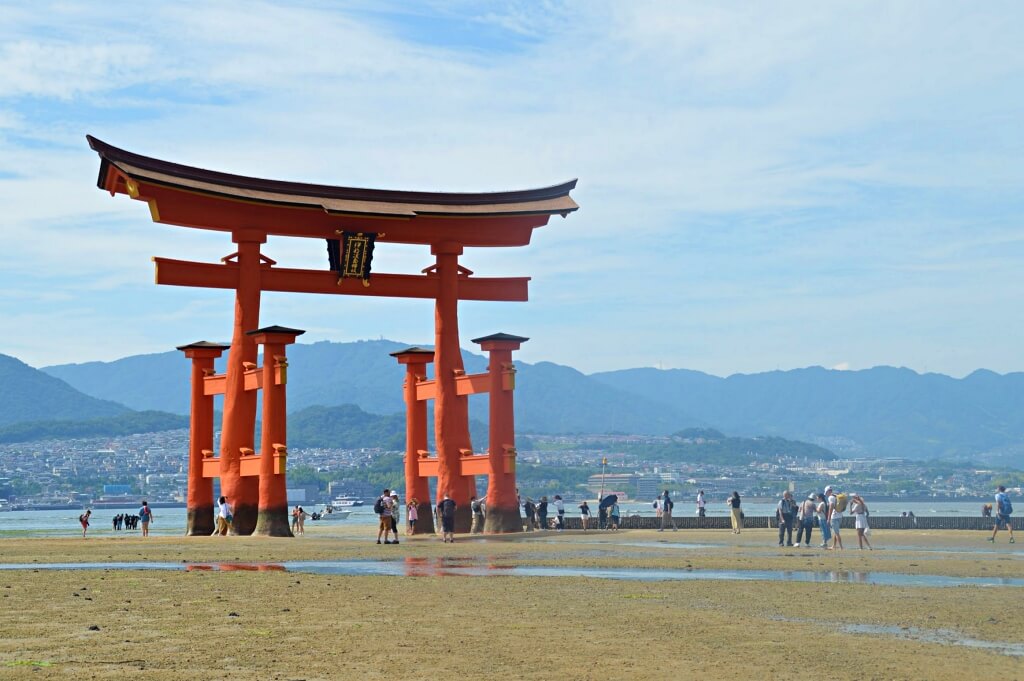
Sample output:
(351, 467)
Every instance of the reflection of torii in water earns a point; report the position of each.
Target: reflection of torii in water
(251, 209)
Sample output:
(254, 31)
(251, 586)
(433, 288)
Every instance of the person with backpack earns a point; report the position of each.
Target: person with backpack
(735, 513)
(666, 512)
(145, 517)
(785, 513)
(382, 507)
(84, 521)
(1003, 510)
(836, 506)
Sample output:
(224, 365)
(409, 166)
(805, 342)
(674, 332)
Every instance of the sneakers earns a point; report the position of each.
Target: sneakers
(1012, 540)
(797, 545)
(395, 542)
(386, 541)
(992, 539)
(378, 541)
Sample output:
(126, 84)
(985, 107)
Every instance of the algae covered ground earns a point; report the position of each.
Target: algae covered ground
(245, 618)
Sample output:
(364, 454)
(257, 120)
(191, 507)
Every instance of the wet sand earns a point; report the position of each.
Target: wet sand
(282, 625)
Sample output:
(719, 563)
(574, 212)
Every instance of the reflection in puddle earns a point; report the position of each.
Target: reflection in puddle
(943, 636)
(461, 567)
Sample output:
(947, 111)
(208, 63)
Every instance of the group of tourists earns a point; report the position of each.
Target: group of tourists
(124, 521)
(824, 510)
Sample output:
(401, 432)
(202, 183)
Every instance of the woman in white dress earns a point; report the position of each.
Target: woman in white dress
(859, 509)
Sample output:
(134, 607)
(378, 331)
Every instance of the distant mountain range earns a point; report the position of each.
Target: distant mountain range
(874, 412)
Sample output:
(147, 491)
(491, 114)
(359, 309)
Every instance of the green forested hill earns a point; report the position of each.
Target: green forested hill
(28, 394)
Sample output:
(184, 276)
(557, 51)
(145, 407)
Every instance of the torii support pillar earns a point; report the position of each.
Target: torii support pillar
(502, 502)
(416, 486)
(272, 516)
(199, 504)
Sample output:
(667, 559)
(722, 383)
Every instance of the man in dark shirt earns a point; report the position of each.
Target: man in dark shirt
(447, 510)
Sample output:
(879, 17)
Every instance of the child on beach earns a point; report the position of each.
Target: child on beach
(84, 520)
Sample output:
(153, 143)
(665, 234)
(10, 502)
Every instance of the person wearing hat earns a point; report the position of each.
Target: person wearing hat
(835, 517)
(785, 512)
(805, 522)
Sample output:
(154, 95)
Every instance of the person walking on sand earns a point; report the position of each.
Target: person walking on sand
(735, 512)
(1003, 509)
(584, 515)
(835, 518)
(396, 515)
(145, 517)
(666, 512)
(477, 508)
(785, 514)
(224, 517)
(805, 522)
(295, 519)
(301, 518)
(542, 513)
(701, 504)
(821, 516)
(613, 516)
(84, 521)
(412, 514)
(560, 512)
(859, 509)
(384, 506)
(446, 509)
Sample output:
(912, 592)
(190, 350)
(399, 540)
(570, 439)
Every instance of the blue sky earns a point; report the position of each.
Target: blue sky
(762, 185)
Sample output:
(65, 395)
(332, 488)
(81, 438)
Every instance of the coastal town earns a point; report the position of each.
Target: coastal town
(112, 471)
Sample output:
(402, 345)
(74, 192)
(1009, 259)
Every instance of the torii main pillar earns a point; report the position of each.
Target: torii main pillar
(451, 410)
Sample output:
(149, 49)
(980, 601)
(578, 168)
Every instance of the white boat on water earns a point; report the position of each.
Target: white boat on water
(332, 513)
(346, 502)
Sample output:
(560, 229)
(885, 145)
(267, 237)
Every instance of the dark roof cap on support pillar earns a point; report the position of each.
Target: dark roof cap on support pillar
(413, 356)
(276, 329)
(414, 350)
(204, 345)
(501, 337)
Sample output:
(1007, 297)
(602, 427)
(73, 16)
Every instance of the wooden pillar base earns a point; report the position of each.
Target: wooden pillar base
(273, 522)
(425, 521)
(503, 521)
(200, 522)
(245, 519)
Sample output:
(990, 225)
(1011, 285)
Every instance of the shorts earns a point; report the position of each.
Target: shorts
(385, 523)
(836, 524)
(1002, 521)
(448, 524)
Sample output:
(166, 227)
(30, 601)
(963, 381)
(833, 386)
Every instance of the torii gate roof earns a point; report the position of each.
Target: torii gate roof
(118, 166)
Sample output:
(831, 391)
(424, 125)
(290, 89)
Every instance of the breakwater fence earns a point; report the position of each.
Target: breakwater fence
(573, 522)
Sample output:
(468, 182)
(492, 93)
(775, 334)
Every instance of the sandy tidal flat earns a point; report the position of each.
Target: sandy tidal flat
(221, 624)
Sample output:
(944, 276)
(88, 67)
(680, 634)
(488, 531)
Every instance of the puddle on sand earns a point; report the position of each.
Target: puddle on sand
(430, 567)
(943, 636)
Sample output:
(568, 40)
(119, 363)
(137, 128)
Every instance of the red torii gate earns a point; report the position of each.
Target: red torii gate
(251, 209)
